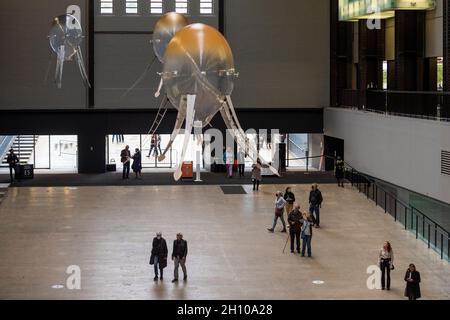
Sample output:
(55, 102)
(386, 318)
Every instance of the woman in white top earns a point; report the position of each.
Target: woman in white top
(279, 209)
(386, 259)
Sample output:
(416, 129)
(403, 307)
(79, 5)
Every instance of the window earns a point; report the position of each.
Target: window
(181, 6)
(206, 6)
(385, 75)
(106, 7)
(131, 7)
(156, 7)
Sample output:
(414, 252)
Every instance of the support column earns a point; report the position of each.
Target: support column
(446, 44)
(341, 55)
(409, 50)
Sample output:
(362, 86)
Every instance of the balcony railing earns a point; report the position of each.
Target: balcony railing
(434, 105)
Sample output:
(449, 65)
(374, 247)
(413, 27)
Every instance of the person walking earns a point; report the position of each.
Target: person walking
(137, 163)
(158, 142)
(125, 158)
(158, 257)
(153, 146)
(290, 199)
(256, 174)
(339, 171)
(241, 162)
(295, 227)
(12, 161)
(412, 278)
(279, 211)
(179, 253)
(306, 233)
(315, 203)
(386, 260)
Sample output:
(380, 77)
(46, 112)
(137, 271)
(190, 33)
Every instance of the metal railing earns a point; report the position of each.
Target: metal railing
(431, 105)
(412, 219)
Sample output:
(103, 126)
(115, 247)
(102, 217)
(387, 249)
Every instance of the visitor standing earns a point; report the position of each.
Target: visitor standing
(158, 257)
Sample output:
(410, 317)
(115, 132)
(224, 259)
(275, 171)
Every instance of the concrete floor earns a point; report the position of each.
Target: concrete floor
(107, 231)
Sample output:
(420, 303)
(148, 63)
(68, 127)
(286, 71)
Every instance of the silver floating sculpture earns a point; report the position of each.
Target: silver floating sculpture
(65, 37)
(198, 77)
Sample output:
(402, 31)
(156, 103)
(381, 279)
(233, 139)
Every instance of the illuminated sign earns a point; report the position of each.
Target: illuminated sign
(351, 10)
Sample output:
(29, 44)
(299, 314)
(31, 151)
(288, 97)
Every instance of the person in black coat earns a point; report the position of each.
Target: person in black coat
(179, 253)
(412, 278)
(295, 226)
(137, 163)
(159, 255)
(12, 161)
(315, 203)
(339, 171)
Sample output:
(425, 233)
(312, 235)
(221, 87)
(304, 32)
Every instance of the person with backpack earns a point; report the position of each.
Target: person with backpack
(279, 211)
(315, 203)
(290, 199)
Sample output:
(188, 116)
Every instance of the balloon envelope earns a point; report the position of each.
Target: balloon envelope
(166, 27)
(198, 60)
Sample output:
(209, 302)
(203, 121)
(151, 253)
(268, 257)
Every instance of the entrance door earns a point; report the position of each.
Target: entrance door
(333, 147)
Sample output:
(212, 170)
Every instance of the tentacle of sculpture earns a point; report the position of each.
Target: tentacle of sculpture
(190, 112)
(80, 62)
(59, 66)
(178, 123)
(233, 124)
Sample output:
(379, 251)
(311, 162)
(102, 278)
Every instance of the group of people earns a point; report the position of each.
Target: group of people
(300, 223)
(229, 160)
(160, 252)
(412, 276)
(126, 158)
(155, 146)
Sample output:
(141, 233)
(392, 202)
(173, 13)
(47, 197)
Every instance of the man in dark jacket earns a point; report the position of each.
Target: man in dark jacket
(339, 171)
(12, 162)
(125, 157)
(315, 202)
(179, 253)
(159, 255)
(295, 224)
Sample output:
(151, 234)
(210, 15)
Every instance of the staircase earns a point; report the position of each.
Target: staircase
(23, 147)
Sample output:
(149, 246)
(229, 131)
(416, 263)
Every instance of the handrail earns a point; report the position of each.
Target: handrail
(296, 145)
(437, 92)
(444, 233)
(392, 195)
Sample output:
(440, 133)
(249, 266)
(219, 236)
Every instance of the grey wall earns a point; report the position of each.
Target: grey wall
(25, 56)
(403, 151)
(281, 49)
